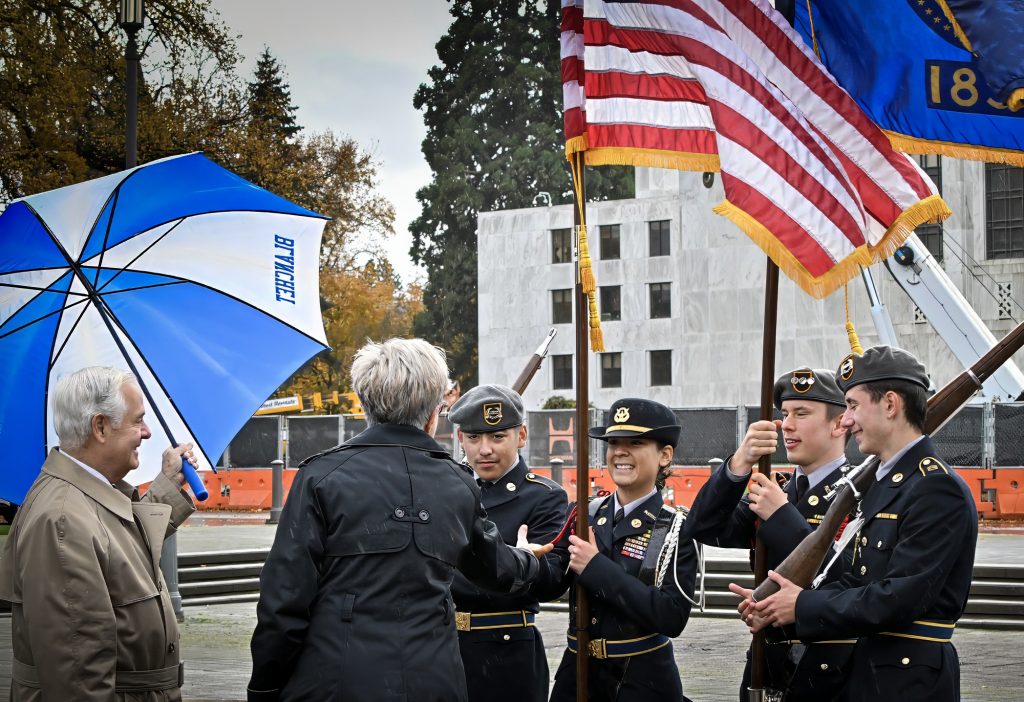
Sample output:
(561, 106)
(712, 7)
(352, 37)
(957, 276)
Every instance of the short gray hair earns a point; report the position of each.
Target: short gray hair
(82, 395)
(399, 381)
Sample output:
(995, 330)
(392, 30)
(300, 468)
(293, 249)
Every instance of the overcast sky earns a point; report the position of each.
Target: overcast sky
(353, 68)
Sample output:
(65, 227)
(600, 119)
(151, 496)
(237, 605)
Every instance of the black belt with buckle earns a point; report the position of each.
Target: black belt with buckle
(477, 621)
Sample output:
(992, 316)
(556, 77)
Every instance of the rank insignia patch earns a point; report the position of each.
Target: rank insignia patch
(846, 367)
(802, 381)
(492, 413)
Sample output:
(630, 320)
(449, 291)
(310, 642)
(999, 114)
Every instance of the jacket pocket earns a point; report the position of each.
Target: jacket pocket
(890, 653)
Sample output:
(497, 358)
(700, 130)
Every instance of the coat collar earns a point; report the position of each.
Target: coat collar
(640, 519)
(903, 472)
(396, 435)
(113, 498)
(507, 487)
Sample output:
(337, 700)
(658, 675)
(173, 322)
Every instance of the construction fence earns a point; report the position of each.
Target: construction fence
(988, 436)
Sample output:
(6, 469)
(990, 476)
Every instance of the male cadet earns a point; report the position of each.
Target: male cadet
(812, 408)
(502, 650)
(914, 553)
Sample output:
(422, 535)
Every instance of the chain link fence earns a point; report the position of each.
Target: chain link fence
(707, 433)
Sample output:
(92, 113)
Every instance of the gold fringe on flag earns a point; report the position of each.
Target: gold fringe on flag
(654, 158)
(587, 282)
(851, 331)
(913, 145)
(577, 143)
(931, 209)
(815, 286)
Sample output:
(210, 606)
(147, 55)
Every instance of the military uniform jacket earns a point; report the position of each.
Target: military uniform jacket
(621, 606)
(91, 616)
(355, 599)
(510, 663)
(721, 516)
(913, 562)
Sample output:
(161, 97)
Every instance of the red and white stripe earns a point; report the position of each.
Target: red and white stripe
(730, 77)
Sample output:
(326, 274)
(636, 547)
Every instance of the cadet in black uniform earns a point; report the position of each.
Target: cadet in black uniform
(637, 600)
(502, 650)
(812, 406)
(911, 571)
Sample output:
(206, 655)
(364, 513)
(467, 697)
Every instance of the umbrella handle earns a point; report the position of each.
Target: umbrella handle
(194, 481)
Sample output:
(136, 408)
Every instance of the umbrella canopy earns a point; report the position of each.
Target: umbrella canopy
(206, 283)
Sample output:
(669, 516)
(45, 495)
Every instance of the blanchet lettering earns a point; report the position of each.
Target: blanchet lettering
(284, 269)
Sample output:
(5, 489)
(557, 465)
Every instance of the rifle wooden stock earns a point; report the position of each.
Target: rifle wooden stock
(533, 365)
(803, 563)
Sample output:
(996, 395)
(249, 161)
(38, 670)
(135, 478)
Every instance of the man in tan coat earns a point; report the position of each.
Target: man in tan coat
(92, 619)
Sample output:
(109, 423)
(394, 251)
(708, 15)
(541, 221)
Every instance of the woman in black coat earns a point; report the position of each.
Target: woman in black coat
(638, 575)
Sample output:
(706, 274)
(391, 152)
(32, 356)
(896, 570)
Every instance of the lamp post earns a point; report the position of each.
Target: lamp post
(130, 17)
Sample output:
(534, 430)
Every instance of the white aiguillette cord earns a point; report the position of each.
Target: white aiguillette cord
(851, 531)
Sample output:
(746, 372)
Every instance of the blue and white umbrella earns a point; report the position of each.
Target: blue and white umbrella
(204, 283)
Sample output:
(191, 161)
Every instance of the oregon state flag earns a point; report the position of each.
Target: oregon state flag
(905, 65)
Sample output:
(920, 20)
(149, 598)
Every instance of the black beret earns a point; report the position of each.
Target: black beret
(487, 408)
(881, 363)
(808, 384)
(631, 416)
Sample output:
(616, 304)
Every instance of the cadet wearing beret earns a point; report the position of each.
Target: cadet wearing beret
(914, 553)
(635, 607)
(722, 515)
(502, 651)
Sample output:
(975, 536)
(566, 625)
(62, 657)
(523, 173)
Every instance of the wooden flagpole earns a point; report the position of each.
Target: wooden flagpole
(758, 653)
(582, 421)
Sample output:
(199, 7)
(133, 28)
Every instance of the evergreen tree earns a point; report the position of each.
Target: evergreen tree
(270, 99)
(494, 140)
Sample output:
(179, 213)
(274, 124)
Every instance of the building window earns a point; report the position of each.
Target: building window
(561, 372)
(611, 303)
(561, 306)
(609, 242)
(611, 370)
(661, 300)
(561, 245)
(661, 367)
(1004, 211)
(931, 234)
(658, 233)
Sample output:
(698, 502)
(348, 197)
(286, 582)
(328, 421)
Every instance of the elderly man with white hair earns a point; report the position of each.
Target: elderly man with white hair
(92, 619)
(355, 599)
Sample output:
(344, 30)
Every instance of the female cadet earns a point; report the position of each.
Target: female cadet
(639, 577)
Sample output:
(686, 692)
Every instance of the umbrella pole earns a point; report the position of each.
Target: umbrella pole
(757, 692)
(582, 440)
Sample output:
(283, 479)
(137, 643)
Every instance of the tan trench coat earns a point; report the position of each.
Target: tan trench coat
(92, 619)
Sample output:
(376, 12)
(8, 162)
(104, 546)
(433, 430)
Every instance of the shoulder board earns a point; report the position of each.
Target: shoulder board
(932, 465)
(542, 480)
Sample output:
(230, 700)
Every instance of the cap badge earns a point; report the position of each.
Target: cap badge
(636, 523)
(802, 381)
(621, 415)
(846, 368)
(492, 413)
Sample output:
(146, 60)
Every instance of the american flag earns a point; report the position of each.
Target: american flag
(729, 86)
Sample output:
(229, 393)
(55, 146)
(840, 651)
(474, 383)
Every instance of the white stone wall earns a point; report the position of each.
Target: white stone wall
(717, 276)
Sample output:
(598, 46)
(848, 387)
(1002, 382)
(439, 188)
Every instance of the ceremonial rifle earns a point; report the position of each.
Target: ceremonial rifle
(805, 561)
(533, 365)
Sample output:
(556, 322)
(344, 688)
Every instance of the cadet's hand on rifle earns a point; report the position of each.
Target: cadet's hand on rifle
(765, 495)
(746, 609)
(536, 549)
(171, 461)
(581, 552)
(780, 608)
(761, 439)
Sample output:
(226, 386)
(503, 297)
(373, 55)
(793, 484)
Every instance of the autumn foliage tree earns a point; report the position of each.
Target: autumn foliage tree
(62, 112)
